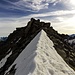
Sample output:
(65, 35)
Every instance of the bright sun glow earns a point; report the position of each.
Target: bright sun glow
(72, 20)
(72, 2)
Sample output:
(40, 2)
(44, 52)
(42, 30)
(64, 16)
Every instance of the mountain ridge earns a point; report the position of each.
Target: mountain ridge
(21, 37)
(38, 59)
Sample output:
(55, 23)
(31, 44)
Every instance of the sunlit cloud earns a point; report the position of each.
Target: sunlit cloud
(72, 2)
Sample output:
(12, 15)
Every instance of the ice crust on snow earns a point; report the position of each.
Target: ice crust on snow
(41, 58)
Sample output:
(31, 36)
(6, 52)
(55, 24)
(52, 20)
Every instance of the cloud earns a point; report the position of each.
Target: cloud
(35, 6)
(38, 5)
(19, 8)
(32, 5)
(54, 14)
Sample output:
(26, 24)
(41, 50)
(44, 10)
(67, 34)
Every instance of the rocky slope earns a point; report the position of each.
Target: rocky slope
(21, 37)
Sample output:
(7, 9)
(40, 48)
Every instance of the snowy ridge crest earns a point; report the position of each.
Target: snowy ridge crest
(40, 58)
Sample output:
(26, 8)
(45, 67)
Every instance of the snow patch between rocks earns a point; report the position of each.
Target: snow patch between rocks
(3, 61)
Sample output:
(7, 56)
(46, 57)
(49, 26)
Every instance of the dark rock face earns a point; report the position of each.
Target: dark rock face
(21, 37)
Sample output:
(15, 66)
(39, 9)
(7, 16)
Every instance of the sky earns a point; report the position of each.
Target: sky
(16, 13)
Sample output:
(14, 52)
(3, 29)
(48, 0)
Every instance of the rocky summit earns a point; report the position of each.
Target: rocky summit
(17, 41)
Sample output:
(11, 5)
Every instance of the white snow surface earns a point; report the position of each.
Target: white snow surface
(3, 61)
(71, 41)
(41, 58)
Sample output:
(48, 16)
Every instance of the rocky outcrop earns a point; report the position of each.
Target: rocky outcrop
(21, 37)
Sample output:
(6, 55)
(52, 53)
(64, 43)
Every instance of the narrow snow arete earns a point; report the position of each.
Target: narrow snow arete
(40, 58)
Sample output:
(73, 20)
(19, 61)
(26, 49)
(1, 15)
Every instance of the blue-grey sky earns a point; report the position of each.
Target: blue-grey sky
(16, 13)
